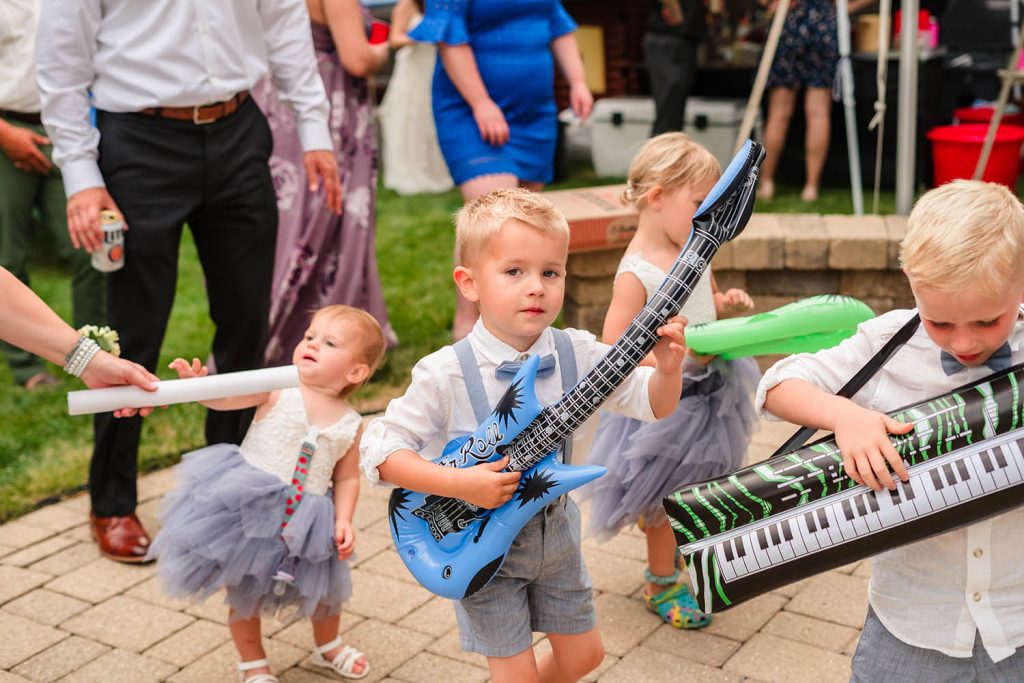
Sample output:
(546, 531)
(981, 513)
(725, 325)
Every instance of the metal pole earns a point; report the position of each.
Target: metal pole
(906, 119)
(846, 82)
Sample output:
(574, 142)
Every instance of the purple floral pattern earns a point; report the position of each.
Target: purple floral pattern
(323, 259)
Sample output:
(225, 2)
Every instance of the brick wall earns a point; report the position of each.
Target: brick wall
(778, 258)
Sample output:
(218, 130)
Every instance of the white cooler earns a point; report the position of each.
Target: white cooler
(715, 122)
(619, 126)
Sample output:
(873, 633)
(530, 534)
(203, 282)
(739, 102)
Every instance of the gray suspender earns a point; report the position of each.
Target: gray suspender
(475, 384)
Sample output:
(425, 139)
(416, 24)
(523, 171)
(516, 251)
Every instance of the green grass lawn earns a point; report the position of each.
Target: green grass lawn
(44, 453)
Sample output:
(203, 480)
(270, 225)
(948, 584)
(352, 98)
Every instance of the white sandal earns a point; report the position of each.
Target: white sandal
(258, 678)
(343, 663)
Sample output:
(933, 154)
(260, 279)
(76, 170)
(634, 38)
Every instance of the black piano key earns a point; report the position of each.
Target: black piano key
(787, 530)
(773, 531)
(872, 502)
(895, 495)
(859, 502)
(822, 518)
(908, 490)
(740, 550)
(847, 510)
(986, 462)
(936, 479)
(809, 521)
(947, 472)
(727, 548)
(1000, 458)
(762, 540)
(961, 467)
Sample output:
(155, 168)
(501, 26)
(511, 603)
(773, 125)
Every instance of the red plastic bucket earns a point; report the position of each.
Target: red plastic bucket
(984, 115)
(956, 149)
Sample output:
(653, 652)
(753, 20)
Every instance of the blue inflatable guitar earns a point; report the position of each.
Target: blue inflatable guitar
(453, 547)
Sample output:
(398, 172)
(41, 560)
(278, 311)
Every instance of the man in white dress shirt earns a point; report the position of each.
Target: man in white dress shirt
(178, 140)
(950, 607)
(29, 181)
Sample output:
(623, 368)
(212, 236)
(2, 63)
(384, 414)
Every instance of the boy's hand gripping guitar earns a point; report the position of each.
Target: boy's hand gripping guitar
(454, 548)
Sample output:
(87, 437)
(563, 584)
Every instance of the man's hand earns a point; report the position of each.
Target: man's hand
(322, 166)
(21, 145)
(84, 217)
(486, 486)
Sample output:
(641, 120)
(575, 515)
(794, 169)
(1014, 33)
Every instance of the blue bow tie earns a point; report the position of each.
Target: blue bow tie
(508, 369)
(1000, 360)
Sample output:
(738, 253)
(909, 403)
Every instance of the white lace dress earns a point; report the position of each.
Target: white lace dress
(705, 437)
(224, 525)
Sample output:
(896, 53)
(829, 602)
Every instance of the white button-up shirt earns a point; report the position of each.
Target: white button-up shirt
(18, 20)
(135, 55)
(436, 407)
(938, 592)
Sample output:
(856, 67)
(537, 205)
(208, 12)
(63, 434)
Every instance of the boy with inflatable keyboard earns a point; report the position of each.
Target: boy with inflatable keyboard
(950, 607)
(513, 246)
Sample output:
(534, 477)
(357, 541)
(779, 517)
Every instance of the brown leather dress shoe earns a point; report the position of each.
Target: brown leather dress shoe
(120, 538)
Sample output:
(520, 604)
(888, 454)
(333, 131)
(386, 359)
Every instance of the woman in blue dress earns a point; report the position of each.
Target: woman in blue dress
(493, 94)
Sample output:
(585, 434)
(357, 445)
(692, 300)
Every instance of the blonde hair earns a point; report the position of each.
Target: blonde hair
(965, 234)
(481, 219)
(671, 160)
(371, 344)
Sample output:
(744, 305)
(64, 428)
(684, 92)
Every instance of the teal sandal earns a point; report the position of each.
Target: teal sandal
(675, 605)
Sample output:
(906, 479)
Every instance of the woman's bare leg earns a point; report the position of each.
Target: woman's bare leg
(817, 111)
(780, 111)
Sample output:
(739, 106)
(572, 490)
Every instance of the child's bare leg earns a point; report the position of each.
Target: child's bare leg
(324, 631)
(248, 642)
(661, 553)
(520, 667)
(572, 656)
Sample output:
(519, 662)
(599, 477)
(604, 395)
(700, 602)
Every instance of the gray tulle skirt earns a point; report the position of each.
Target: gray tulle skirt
(707, 436)
(222, 529)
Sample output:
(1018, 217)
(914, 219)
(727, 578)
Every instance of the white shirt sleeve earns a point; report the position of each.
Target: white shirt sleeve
(294, 69)
(410, 422)
(830, 369)
(65, 46)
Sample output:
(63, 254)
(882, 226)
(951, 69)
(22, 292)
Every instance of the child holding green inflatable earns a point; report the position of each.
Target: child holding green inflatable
(708, 433)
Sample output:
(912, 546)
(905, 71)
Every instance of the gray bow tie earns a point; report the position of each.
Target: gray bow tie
(1000, 360)
(508, 369)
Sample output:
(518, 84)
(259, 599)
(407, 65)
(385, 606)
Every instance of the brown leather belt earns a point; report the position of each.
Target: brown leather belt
(201, 113)
(34, 119)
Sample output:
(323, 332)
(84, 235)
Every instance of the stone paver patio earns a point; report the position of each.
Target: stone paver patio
(67, 614)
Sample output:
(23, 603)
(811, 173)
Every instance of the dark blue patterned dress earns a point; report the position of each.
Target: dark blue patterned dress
(808, 53)
(511, 40)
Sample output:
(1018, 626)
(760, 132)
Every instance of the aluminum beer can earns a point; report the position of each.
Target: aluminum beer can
(110, 256)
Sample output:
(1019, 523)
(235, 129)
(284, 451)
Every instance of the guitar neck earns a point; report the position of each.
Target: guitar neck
(559, 420)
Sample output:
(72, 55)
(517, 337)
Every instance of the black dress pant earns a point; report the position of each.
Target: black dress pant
(215, 177)
(672, 67)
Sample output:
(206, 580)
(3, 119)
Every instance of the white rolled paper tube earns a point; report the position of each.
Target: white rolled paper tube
(183, 390)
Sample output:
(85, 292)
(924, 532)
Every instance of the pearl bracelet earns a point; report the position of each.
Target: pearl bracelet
(80, 355)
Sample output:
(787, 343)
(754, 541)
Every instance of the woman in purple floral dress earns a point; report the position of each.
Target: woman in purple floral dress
(324, 258)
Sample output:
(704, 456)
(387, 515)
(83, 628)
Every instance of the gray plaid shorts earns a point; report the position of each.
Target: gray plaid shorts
(543, 586)
(881, 657)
